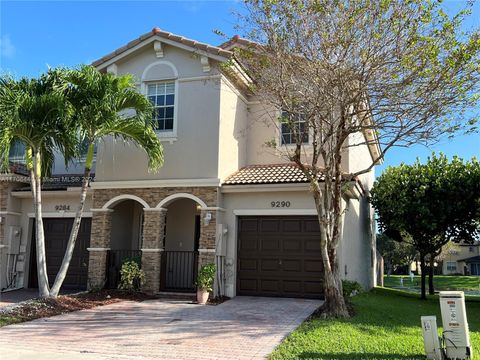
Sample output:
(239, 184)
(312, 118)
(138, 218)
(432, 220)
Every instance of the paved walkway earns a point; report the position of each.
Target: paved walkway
(242, 328)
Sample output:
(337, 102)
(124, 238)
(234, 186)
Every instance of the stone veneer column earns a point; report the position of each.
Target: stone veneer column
(99, 246)
(206, 251)
(152, 247)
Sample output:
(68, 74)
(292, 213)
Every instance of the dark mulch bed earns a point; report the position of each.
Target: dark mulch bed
(39, 308)
(217, 300)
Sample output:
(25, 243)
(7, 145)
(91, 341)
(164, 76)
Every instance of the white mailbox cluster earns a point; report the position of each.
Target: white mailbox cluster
(456, 338)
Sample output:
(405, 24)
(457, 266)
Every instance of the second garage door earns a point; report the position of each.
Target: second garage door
(279, 256)
(57, 232)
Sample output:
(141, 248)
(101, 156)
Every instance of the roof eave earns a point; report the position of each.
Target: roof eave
(150, 37)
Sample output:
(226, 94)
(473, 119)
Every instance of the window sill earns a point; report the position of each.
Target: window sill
(167, 137)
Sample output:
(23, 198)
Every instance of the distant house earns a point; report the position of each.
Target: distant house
(461, 259)
(220, 197)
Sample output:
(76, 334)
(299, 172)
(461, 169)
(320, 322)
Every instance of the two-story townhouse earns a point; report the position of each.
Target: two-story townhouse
(221, 196)
(461, 259)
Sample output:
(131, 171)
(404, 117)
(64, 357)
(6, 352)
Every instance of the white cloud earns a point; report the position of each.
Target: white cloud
(7, 49)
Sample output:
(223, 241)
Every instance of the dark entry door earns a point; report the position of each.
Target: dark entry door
(279, 256)
(57, 232)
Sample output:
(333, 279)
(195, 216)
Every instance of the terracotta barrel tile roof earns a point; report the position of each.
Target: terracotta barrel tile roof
(267, 174)
(215, 50)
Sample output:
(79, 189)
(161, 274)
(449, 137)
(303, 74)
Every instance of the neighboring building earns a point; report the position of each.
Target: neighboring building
(461, 259)
(220, 197)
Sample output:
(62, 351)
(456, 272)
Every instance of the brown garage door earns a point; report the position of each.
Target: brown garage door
(279, 256)
(57, 231)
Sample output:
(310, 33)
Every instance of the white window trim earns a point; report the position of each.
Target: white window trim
(164, 136)
(168, 136)
(452, 268)
(280, 146)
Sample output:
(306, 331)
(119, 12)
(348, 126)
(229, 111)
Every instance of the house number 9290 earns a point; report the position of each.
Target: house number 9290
(280, 204)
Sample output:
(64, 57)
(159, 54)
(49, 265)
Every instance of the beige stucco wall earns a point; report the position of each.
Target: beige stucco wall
(193, 153)
(232, 149)
(126, 225)
(358, 246)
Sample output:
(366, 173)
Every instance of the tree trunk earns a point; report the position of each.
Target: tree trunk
(423, 275)
(36, 184)
(334, 305)
(62, 272)
(431, 289)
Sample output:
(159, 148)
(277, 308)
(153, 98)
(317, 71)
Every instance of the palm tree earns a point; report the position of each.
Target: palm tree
(35, 113)
(106, 105)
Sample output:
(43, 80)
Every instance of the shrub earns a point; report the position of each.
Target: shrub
(132, 277)
(351, 288)
(205, 277)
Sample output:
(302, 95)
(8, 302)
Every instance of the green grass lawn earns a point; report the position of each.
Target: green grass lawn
(440, 282)
(386, 326)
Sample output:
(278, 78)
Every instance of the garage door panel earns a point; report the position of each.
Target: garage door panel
(312, 225)
(292, 265)
(249, 226)
(269, 244)
(292, 225)
(269, 226)
(269, 265)
(313, 266)
(248, 285)
(292, 244)
(270, 285)
(312, 245)
(249, 243)
(247, 264)
(290, 286)
(313, 287)
(57, 232)
(282, 263)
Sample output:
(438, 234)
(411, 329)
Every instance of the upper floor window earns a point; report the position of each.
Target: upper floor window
(292, 126)
(17, 152)
(162, 96)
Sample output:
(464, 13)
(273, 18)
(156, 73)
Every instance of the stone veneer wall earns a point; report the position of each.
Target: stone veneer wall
(153, 236)
(99, 242)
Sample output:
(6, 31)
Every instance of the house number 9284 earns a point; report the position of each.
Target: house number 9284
(280, 204)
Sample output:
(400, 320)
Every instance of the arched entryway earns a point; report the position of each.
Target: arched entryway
(125, 234)
(181, 243)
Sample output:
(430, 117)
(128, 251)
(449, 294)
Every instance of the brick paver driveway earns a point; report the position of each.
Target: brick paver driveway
(242, 328)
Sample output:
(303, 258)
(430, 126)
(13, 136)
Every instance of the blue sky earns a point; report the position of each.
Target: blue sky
(35, 34)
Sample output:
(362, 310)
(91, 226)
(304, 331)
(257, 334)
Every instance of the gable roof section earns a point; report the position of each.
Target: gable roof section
(167, 38)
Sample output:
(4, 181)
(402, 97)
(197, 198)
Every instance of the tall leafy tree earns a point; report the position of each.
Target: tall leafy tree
(36, 113)
(428, 205)
(106, 105)
(395, 254)
(355, 73)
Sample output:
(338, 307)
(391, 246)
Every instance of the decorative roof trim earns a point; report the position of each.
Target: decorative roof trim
(164, 37)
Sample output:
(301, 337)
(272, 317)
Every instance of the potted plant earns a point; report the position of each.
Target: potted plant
(204, 282)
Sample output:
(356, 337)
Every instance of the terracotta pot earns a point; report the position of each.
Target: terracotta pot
(202, 296)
